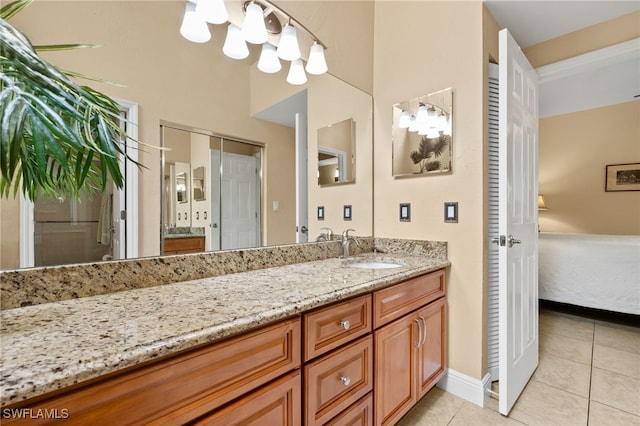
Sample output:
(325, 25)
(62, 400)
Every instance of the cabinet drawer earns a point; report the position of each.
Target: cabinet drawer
(335, 381)
(277, 404)
(330, 327)
(395, 301)
(185, 386)
(183, 245)
(359, 414)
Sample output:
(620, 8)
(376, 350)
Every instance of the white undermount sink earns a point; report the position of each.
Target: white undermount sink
(373, 264)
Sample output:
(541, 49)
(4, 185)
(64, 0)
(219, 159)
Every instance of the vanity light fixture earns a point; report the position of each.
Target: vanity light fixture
(261, 24)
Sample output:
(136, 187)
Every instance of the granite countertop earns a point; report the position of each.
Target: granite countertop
(49, 346)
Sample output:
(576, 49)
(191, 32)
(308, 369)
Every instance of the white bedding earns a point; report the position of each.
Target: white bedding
(595, 271)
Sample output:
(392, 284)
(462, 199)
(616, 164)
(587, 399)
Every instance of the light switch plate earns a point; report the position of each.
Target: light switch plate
(320, 212)
(451, 212)
(405, 212)
(347, 213)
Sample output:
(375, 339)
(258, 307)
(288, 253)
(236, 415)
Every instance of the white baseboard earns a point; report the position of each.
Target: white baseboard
(466, 387)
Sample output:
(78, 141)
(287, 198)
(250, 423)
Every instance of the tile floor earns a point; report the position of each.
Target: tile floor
(588, 374)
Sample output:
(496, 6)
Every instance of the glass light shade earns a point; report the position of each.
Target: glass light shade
(405, 120)
(432, 117)
(432, 133)
(317, 64)
(234, 45)
(288, 48)
(193, 27)
(413, 124)
(213, 11)
(423, 129)
(422, 116)
(296, 74)
(269, 62)
(442, 123)
(253, 28)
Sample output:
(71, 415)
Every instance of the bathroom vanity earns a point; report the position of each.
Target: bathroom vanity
(286, 345)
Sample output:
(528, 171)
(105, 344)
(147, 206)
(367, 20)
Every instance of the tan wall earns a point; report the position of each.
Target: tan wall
(9, 233)
(193, 84)
(574, 150)
(591, 139)
(450, 55)
(608, 33)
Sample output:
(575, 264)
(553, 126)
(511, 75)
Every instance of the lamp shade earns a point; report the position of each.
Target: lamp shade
(253, 28)
(413, 124)
(213, 11)
(234, 45)
(541, 204)
(405, 120)
(288, 48)
(317, 63)
(422, 115)
(193, 27)
(296, 74)
(269, 62)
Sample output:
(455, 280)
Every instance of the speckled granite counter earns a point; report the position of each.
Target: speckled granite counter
(52, 345)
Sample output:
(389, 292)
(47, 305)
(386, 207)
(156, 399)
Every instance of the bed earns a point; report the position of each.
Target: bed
(589, 270)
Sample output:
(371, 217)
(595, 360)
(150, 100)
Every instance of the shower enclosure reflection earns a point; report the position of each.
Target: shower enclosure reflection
(224, 178)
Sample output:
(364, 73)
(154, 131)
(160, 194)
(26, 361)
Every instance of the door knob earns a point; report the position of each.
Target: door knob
(513, 241)
(304, 229)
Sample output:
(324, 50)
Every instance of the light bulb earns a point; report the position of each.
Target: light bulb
(405, 120)
(296, 74)
(317, 64)
(269, 62)
(234, 45)
(423, 115)
(213, 11)
(253, 28)
(193, 27)
(288, 48)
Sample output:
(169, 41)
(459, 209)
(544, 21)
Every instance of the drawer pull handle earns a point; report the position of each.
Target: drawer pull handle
(345, 380)
(424, 330)
(345, 324)
(419, 324)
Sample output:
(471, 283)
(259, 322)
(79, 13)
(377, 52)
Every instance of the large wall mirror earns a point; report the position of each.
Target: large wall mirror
(202, 94)
(422, 135)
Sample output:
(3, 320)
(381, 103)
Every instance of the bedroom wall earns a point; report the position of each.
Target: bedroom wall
(576, 147)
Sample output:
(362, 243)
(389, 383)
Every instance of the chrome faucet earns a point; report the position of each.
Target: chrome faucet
(346, 242)
(326, 235)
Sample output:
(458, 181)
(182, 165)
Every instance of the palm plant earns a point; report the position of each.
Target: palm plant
(56, 137)
(427, 150)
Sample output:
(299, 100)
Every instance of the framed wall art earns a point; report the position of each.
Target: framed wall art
(622, 177)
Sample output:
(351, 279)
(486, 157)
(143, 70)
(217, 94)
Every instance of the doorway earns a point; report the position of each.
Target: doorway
(94, 227)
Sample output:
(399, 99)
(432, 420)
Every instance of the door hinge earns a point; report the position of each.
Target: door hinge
(123, 215)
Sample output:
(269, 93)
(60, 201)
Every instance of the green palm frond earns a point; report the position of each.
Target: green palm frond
(56, 136)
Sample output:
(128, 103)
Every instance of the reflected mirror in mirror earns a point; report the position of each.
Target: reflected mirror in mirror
(422, 135)
(336, 153)
(198, 184)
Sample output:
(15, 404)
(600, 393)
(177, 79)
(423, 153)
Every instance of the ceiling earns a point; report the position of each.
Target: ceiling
(533, 21)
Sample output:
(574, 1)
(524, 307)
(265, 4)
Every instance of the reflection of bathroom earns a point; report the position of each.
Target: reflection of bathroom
(211, 192)
(74, 230)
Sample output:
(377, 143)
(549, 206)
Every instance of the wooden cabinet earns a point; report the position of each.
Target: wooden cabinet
(409, 351)
(183, 245)
(276, 404)
(359, 414)
(184, 387)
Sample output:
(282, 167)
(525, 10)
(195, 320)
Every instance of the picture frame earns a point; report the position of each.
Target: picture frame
(622, 177)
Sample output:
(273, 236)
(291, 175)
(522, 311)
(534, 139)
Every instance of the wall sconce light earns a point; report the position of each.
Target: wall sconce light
(541, 204)
(259, 22)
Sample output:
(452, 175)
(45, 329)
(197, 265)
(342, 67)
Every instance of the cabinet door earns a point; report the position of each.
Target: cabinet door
(395, 367)
(431, 357)
(277, 404)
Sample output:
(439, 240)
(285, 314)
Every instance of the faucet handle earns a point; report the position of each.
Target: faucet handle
(345, 234)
